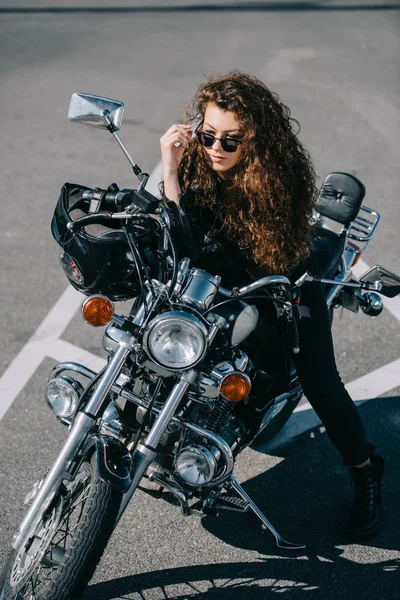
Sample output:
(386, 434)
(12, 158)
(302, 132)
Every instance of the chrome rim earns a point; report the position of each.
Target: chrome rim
(33, 550)
(43, 552)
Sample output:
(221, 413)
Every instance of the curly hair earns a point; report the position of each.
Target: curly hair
(266, 203)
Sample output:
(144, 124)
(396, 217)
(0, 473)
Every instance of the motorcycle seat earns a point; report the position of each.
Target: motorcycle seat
(327, 247)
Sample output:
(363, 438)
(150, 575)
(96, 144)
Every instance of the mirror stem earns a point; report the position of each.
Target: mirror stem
(108, 122)
(364, 285)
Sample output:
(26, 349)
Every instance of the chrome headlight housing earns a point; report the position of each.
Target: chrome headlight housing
(176, 340)
(196, 465)
(62, 395)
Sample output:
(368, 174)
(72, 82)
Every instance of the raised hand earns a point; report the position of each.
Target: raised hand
(173, 144)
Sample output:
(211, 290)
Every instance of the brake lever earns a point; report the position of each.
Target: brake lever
(88, 220)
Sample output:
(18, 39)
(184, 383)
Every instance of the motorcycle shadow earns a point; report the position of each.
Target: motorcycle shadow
(306, 493)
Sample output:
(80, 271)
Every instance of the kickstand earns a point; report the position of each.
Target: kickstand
(280, 541)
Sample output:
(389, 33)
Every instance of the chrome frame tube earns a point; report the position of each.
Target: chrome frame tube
(81, 370)
(74, 367)
(175, 490)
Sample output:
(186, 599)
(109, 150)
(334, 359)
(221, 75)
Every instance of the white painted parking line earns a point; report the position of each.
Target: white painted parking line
(17, 375)
(368, 387)
(63, 351)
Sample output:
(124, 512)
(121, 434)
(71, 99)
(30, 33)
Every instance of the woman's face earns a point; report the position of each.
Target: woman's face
(221, 124)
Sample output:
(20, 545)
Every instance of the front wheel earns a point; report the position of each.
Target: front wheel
(58, 558)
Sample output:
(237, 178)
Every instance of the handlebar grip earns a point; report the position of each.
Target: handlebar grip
(293, 334)
(113, 200)
(120, 200)
(117, 201)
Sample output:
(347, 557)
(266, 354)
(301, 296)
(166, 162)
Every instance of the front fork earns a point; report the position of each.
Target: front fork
(83, 424)
(146, 452)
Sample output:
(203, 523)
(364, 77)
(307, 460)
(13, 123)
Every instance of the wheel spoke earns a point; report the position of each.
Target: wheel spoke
(57, 531)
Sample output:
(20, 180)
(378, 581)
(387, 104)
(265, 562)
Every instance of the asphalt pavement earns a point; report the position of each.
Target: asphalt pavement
(336, 65)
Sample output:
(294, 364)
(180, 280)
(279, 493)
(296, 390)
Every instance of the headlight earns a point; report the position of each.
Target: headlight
(71, 268)
(176, 340)
(62, 395)
(196, 465)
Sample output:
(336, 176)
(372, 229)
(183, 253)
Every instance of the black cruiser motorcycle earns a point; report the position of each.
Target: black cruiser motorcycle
(184, 390)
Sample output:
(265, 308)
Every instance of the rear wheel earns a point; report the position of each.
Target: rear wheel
(58, 558)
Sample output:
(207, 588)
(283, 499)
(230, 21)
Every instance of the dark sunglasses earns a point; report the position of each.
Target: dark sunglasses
(207, 140)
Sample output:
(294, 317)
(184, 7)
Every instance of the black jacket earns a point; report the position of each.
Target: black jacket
(191, 224)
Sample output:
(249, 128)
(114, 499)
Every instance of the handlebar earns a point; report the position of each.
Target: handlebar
(117, 201)
(118, 204)
(254, 286)
(113, 201)
(291, 315)
(292, 332)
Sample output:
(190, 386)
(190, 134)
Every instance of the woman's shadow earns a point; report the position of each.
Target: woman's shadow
(306, 496)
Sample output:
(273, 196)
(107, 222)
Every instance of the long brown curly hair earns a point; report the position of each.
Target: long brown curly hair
(266, 203)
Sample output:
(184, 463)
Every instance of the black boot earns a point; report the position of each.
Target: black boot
(366, 512)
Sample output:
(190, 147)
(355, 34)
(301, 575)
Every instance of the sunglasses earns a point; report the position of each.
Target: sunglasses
(207, 140)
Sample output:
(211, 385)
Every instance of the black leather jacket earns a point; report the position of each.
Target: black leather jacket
(190, 226)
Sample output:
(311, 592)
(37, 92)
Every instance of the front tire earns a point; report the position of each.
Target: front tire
(58, 558)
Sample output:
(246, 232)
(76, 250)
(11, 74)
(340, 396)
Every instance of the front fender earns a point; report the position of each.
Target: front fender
(114, 462)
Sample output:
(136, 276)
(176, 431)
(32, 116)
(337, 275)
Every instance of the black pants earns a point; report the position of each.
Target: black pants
(316, 367)
(315, 364)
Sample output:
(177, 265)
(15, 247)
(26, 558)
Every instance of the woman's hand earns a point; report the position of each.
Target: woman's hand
(173, 144)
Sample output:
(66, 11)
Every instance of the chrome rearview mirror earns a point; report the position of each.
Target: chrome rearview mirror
(103, 113)
(90, 110)
(390, 281)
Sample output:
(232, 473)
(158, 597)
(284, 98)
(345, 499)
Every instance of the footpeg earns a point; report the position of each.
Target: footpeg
(226, 502)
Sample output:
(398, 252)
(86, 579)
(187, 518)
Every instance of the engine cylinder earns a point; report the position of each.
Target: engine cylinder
(213, 419)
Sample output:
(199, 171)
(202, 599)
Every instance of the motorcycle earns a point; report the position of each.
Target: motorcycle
(185, 389)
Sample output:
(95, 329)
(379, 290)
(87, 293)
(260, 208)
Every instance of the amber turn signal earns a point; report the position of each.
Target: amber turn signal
(235, 387)
(97, 311)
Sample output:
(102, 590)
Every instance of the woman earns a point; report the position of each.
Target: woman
(245, 186)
